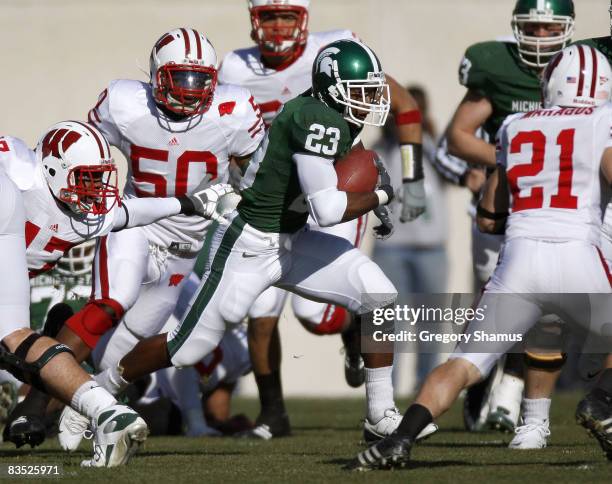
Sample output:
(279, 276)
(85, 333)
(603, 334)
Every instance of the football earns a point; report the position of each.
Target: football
(357, 171)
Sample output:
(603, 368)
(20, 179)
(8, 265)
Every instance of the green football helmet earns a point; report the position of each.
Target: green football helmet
(348, 77)
(536, 51)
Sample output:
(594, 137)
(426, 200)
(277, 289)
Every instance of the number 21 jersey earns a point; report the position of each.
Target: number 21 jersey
(552, 159)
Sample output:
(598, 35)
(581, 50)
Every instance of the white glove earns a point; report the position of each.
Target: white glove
(205, 200)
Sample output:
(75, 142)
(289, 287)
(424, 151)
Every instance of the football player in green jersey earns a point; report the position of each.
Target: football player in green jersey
(267, 242)
(502, 78)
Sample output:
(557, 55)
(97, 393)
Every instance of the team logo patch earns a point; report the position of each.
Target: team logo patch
(227, 108)
(53, 227)
(175, 280)
(603, 80)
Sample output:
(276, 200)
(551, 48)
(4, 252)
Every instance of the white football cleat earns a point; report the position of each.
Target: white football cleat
(118, 433)
(72, 428)
(530, 436)
(505, 404)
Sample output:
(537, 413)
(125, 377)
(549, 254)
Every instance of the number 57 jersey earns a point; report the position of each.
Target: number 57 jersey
(552, 159)
(167, 157)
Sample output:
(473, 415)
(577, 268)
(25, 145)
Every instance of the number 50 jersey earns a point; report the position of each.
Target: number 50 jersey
(552, 159)
(169, 158)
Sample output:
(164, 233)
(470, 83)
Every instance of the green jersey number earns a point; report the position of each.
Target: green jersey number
(323, 141)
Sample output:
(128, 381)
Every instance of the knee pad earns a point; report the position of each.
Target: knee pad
(16, 364)
(545, 361)
(332, 321)
(91, 322)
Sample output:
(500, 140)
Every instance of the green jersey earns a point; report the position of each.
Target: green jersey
(602, 44)
(272, 198)
(495, 71)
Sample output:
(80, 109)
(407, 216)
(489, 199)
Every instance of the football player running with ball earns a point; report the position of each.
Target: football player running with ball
(277, 69)
(268, 242)
(545, 194)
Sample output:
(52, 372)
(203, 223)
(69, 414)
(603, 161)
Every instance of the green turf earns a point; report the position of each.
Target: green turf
(326, 435)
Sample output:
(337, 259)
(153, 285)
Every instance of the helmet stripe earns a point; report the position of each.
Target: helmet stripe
(372, 58)
(580, 90)
(594, 77)
(198, 43)
(102, 143)
(187, 42)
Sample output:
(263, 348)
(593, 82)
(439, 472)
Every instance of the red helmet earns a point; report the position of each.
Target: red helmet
(279, 40)
(78, 167)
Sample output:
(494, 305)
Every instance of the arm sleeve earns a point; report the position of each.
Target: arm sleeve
(318, 180)
(135, 212)
(501, 145)
(100, 116)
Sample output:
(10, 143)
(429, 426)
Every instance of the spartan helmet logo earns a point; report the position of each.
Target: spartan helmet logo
(325, 61)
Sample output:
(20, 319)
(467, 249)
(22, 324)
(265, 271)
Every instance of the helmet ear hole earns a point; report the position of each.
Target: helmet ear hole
(51, 171)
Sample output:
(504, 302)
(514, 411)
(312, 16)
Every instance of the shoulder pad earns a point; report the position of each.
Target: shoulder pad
(18, 161)
(318, 129)
(480, 61)
(324, 38)
(235, 63)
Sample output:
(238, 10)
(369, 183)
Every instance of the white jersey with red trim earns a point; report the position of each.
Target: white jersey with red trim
(49, 231)
(272, 88)
(168, 158)
(552, 159)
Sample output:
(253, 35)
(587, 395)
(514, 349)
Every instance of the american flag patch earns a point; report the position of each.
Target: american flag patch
(571, 80)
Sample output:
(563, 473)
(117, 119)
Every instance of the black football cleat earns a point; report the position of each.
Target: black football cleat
(392, 452)
(268, 427)
(594, 413)
(354, 370)
(26, 429)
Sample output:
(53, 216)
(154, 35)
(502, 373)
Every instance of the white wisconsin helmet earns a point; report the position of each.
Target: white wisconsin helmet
(78, 260)
(183, 67)
(275, 40)
(577, 76)
(78, 167)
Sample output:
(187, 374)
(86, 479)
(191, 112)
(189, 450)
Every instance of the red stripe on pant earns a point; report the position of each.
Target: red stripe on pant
(331, 323)
(605, 264)
(103, 268)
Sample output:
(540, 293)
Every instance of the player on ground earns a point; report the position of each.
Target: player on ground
(546, 194)
(502, 78)
(62, 194)
(176, 131)
(277, 69)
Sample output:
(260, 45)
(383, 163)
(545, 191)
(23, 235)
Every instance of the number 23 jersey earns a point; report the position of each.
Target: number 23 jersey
(552, 159)
(167, 158)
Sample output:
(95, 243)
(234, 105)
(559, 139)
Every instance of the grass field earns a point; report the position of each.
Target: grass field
(326, 435)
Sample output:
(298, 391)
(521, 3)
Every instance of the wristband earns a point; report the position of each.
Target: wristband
(384, 194)
(408, 117)
(187, 206)
(491, 215)
(412, 161)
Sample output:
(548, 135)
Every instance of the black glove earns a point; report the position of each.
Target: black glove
(385, 229)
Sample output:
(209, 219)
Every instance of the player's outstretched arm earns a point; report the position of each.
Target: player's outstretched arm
(492, 211)
(328, 205)
(470, 115)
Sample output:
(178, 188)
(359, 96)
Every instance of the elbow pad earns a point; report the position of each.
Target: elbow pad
(327, 207)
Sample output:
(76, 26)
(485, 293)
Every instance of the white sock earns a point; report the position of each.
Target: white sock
(111, 379)
(90, 399)
(379, 392)
(536, 410)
